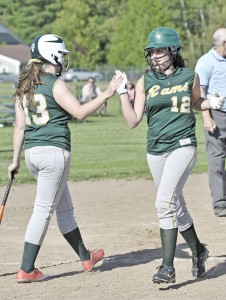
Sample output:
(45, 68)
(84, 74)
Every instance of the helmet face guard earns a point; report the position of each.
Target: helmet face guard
(162, 37)
(50, 48)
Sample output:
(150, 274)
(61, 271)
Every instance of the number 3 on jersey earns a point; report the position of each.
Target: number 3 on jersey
(42, 115)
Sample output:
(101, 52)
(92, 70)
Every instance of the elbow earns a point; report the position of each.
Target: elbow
(132, 125)
(196, 107)
(132, 122)
(80, 118)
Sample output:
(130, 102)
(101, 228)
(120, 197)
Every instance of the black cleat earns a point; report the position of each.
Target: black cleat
(198, 263)
(220, 212)
(165, 274)
(220, 208)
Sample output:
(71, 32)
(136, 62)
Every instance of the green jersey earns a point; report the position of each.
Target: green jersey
(47, 122)
(170, 118)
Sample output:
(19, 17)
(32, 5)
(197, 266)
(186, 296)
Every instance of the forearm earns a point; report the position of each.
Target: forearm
(18, 140)
(201, 105)
(88, 108)
(206, 114)
(128, 112)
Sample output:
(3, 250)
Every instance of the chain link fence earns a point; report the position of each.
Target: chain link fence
(133, 73)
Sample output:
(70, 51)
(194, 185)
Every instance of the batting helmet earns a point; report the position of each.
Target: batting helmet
(49, 47)
(164, 37)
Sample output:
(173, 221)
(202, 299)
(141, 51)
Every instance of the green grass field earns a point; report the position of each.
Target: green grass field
(102, 147)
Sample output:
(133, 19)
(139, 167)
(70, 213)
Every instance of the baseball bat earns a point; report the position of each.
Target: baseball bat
(2, 206)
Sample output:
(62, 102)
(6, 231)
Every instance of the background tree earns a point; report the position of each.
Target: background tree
(105, 32)
(190, 18)
(196, 22)
(29, 18)
(87, 27)
(135, 21)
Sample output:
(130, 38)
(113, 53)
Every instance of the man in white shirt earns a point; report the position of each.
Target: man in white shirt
(89, 92)
(211, 68)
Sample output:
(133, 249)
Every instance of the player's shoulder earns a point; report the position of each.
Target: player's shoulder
(49, 79)
(186, 72)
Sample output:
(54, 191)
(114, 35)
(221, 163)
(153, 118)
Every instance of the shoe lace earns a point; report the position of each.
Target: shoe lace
(198, 260)
(162, 267)
(165, 271)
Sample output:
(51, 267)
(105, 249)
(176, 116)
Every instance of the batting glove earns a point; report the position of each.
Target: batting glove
(216, 101)
(122, 89)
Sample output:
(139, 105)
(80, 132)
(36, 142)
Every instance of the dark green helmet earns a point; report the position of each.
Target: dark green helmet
(164, 37)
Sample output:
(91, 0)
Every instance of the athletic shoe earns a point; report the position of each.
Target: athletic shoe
(220, 211)
(165, 274)
(220, 208)
(95, 256)
(198, 263)
(34, 276)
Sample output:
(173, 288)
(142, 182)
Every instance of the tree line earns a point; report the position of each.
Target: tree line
(114, 33)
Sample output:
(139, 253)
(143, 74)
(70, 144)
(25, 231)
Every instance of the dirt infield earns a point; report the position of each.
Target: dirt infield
(118, 216)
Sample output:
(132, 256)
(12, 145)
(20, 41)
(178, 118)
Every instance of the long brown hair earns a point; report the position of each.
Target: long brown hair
(29, 78)
(179, 61)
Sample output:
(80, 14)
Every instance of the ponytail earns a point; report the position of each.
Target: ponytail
(30, 77)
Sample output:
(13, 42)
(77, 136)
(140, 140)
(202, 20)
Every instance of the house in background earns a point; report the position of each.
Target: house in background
(13, 53)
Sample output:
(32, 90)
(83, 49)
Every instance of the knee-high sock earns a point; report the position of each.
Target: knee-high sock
(74, 238)
(169, 241)
(192, 240)
(29, 256)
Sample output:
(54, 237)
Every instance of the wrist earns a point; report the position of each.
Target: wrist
(107, 94)
(123, 93)
(16, 160)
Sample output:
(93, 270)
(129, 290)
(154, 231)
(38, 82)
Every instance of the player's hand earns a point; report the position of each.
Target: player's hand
(114, 85)
(122, 89)
(13, 169)
(216, 101)
(209, 125)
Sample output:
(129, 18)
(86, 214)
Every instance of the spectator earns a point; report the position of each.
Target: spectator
(211, 68)
(89, 92)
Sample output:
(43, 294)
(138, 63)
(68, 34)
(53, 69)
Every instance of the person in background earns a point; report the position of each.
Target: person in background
(169, 91)
(89, 92)
(44, 106)
(211, 68)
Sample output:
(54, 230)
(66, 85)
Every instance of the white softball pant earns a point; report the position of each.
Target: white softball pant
(50, 166)
(170, 172)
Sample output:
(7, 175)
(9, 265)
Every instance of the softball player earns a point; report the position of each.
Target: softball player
(44, 105)
(169, 91)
